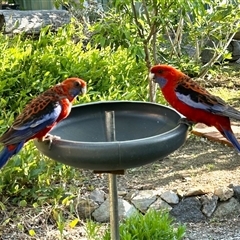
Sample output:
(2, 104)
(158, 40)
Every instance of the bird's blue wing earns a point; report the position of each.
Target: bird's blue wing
(26, 126)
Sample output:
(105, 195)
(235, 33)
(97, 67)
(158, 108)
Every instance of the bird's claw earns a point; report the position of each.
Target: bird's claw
(186, 122)
(50, 138)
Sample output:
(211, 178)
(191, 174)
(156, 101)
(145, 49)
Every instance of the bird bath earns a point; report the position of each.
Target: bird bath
(110, 137)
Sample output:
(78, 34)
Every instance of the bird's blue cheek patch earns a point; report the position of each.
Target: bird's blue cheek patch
(161, 81)
(75, 92)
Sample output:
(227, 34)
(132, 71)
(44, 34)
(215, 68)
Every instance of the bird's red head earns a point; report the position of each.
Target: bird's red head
(74, 87)
(163, 74)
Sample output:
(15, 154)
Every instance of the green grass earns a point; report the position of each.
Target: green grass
(151, 226)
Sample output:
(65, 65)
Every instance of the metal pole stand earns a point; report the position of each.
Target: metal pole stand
(112, 178)
(113, 200)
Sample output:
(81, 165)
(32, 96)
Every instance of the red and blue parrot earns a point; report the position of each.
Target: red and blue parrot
(40, 116)
(195, 102)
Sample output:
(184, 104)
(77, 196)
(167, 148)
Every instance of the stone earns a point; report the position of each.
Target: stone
(125, 210)
(122, 193)
(188, 210)
(208, 52)
(224, 193)
(144, 199)
(236, 190)
(160, 204)
(234, 48)
(30, 22)
(97, 196)
(130, 195)
(85, 207)
(170, 197)
(197, 191)
(180, 193)
(237, 36)
(209, 204)
(158, 191)
(228, 208)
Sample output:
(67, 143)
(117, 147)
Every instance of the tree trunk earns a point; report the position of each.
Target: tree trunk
(31, 22)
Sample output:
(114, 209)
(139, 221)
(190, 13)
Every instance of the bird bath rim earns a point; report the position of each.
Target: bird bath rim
(118, 155)
(179, 126)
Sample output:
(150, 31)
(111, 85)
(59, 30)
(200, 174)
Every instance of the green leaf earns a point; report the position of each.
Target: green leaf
(23, 203)
(73, 223)
(31, 232)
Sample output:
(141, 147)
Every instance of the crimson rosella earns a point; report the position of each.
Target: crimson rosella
(195, 102)
(40, 116)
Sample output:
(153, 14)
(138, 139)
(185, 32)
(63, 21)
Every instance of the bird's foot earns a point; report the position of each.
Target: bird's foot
(186, 122)
(50, 138)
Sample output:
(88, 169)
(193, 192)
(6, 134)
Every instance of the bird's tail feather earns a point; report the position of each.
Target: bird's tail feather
(230, 136)
(8, 151)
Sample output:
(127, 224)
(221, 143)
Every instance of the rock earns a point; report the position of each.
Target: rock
(144, 199)
(97, 196)
(209, 204)
(85, 207)
(224, 193)
(197, 191)
(125, 210)
(180, 193)
(170, 197)
(130, 195)
(228, 208)
(237, 36)
(236, 190)
(234, 48)
(208, 52)
(188, 210)
(160, 204)
(31, 22)
(122, 193)
(158, 191)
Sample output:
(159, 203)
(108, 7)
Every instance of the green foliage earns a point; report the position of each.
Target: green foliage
(30, 176)
(92, 230)
(30, 66)
(107, 32)
(167, 32)
(151, 226)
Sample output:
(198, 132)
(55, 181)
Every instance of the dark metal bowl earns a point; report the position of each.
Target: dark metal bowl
(145, 132)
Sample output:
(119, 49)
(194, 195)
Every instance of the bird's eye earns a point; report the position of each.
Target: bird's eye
(160, 71)
(77, 84)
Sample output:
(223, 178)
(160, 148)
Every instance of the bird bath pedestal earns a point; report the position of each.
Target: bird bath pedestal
(110, 137)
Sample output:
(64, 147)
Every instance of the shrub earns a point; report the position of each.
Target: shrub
(151, 226)
(30, 66)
